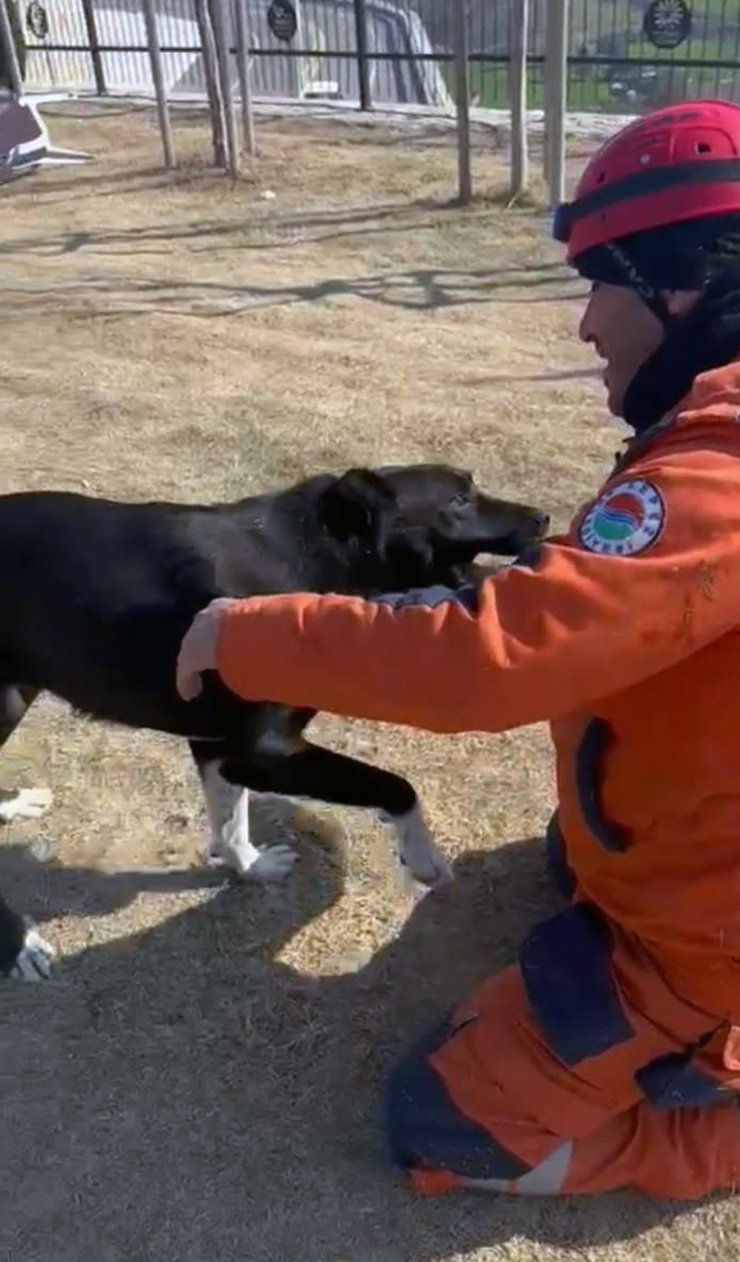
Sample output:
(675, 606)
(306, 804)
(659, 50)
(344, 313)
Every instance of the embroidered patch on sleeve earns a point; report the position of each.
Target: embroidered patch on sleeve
(625, 520)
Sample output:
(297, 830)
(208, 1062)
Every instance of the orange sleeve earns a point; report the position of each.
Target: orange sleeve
(535, 642)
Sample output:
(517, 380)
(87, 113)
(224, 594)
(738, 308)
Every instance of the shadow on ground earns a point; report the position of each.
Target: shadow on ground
(183, 1094)
(417, 290)
(290, 227)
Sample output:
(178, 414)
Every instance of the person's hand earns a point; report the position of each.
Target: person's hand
(199, 648)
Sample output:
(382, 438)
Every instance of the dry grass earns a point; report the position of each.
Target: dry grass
(202, 1078)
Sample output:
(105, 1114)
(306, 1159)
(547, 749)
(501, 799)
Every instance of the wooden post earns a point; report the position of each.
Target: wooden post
(462, 101)
(519, 33)
(556, 96)
(155, 61)
(242, 58)
(221, 25)
(208, 46)
(10, 52)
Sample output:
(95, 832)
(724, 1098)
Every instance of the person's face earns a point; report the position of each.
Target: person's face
(625, 332)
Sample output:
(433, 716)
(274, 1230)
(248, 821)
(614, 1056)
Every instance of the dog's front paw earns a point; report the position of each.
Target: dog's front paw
(272, 864)
(34, 960)
(417, 853)
(247, 863)
(24, 804)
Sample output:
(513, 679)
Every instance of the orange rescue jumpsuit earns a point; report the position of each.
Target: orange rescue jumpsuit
(609, 1056)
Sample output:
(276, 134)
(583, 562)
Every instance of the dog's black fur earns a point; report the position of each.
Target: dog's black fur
(95, 597)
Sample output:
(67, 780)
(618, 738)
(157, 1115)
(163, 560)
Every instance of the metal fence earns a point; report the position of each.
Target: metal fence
(405, 48)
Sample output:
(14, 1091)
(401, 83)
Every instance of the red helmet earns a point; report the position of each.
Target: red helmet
(678, 163)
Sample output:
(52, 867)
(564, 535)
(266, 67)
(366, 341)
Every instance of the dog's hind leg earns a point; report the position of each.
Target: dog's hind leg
(24, 955)
(307, 770)
(15, 700)
(228, 816)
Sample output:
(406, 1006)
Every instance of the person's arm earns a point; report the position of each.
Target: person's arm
(537, 643)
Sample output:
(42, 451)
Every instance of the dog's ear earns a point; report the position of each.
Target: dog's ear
(412, 553)
(359, 505)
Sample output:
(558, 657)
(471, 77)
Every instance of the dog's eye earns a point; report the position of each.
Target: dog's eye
(459, 501)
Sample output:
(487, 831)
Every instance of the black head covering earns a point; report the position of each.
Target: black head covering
(702, 255)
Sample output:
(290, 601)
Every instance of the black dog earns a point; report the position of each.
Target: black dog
(95, 597)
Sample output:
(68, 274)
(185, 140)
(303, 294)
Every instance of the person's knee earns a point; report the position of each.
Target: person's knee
(428, 1134)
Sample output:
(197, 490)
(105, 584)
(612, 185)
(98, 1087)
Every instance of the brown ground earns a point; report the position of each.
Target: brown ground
(201, 1080)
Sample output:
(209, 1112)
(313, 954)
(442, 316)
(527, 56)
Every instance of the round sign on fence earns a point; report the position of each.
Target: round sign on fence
(667, 23)
(37, 20)
(282, 20)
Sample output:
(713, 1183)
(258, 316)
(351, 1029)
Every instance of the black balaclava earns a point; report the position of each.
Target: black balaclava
(701, 254)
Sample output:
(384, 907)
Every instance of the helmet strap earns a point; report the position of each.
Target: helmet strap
(707, 337)
(651, 296)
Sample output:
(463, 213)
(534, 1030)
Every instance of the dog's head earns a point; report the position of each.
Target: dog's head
(416, 524)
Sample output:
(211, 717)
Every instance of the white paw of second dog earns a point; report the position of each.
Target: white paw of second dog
(34, 960)
(273, 864)
(417, 853)
(25, 804)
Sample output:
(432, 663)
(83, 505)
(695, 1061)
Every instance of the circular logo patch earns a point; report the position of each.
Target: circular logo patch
(625, 520)
(667, 23)
(37, 20)
(282, 20)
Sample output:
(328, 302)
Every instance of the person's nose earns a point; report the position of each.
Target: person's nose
(585, 330)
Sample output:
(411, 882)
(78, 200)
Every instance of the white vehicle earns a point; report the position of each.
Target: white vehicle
(322, 28)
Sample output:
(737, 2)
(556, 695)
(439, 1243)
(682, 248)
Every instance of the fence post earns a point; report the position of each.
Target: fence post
(208, 46)
(556, 95)
(223, 62)
(363, 72)
(9, 51)
(519, 33)
(462, 101)
(94, 42)
(155, 61)
(242, 58)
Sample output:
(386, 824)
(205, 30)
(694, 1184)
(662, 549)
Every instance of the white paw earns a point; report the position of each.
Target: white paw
(209, 856)
(25, 804)
(250, 864)
(34, 960)
(417, 853)
(273, 864)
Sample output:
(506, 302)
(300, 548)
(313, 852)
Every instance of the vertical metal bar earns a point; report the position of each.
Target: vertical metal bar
(464, 178)
(548, 88)
(519, 19)
(95, 54)
(155, 61)
(736, 56)
(705, 36)
(223, 60)
(9, 50)
(362, 62)
(245, 87)
(671, 84)
(330, 68)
